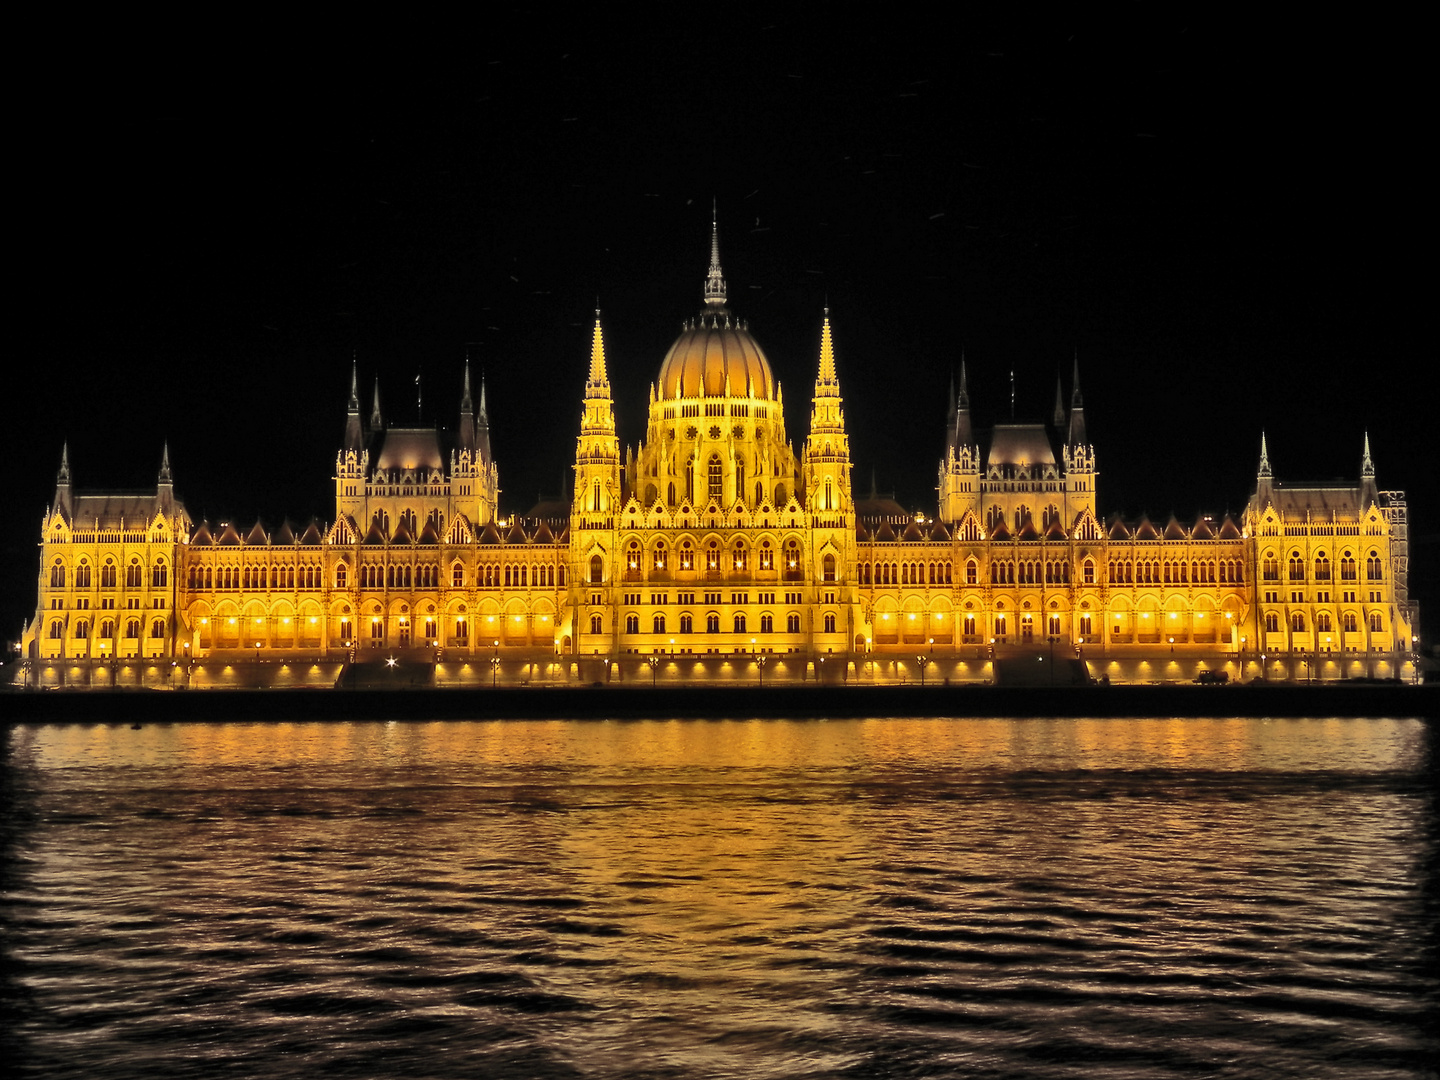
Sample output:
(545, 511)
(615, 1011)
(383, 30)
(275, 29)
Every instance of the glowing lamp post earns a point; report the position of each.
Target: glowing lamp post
(654, 662)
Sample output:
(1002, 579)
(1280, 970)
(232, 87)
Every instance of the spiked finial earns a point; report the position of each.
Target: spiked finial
(353, 405)
(1367, 466)
(376, 422)
(165, 463)
(484, 412)
(1264, 456)
(64, 475)
(963, 401)
(1059, 415)
(466, 405)
(1075, 400)
(715, 279)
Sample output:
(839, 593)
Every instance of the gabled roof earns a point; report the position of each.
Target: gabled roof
(1174, 530)
(374, 536)
(939, 532)
(256, 535)
(1001, 531)
(401, 535)
(1117, 530)
(884, 533)
(914, 532)
(1056, 531)
(564, 535)
(490, 534)
(1146, 531)
(202, 535)
(543, 535)
(428, 535)
(1229, 530)
(312, 534)
(284, 534)
(1202, 530)
(516, 535)
(410, 448)
(862, 534)
(1020, 444)
(108, 509)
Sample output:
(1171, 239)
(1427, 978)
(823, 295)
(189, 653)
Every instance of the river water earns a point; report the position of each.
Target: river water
(665, 899)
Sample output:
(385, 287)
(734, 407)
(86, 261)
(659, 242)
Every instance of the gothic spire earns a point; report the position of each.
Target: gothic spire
(1367, 466)
(1058, 417)
(64, 475)
(1264, 457)
(1369, 493)
(465, 437)
(963, 434)
(599, 377)
(715, 279)
(165, 477)
(1076, 435)
(376, 421)
(827, 355)
(354, 433)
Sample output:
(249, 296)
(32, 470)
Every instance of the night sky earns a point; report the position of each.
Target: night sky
(1224, 221)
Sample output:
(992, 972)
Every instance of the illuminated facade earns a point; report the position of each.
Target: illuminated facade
(714, 538)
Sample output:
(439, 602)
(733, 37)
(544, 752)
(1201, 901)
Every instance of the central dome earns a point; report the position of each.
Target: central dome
(716, 349)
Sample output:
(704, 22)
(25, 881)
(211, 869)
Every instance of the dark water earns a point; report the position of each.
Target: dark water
(886, 898)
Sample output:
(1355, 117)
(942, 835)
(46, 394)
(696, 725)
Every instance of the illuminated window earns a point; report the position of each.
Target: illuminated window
(1372, 567)
(829, 622)
(632, 623)
(972, 572)
(1000, 626)
(767, 557)
(767, 624)
(340, 575)
(712, 623)
(1297, 567)
(1375, 624)
(717, 487)
(829, 568)
(457, 575)
(595, 624)
(157, 628)
(82, 575)
(687, 557)
(597, 569)
(1272, 622)
(82, 629)
(739, 623)
(1351, 623)
(792, 623)
(57, 575)
(686, 623)
(659, 556)
(1347, 567)
(1322, 622)
(658, 624)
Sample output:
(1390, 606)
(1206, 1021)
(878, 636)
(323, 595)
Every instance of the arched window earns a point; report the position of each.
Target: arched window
(1375, 624)
(107, 629)
(157, 628)
(1322, 622)
(687, 556)
(717, 488)
(740, 623)
(741, 557)
(767, 624)
(341, 574)
(595, 624)
(1297, 567)
(690, 481)
(159, 575)
(632, 623)
(972, 572)
(82, 575)
(829, 622)
(132, 628)
(1270, 568)
(57, 575)
(57, 629)
(712, 623)
(767, 557)
(82, 629)
(686, 623)
(597, 569)
(829, 494)
(670, 495)
(1372, 567)
(1272, 622)
(829, 568)
(595, 495)
(792, 623)
(1297, 621)
(1322, 567)
(658, 624)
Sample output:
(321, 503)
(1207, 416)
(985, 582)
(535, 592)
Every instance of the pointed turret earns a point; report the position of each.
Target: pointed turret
(825, 463)
(63, 504)
(1057, 417)
(376, 421)
(1369, 493)
(165, 483)
(465, 435)
(964, 434)
(597, 451)
(482, 427)
(714, 279)
(1264, 482)
(1076, 434)
(354, 432)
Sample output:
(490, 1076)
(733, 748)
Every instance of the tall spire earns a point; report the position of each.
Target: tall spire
(714, 280)
(376, 421)
(1058, 417)
(1369, 493)
(465, 438)
(827, 354)
(599, 377)
(1076, 435)
(1367, 466)
(64, 475)
(964, 434)
(354, 433)
(165, 477)
(1264, 457)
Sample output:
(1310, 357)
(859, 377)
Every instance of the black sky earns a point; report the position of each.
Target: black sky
(1225, 221)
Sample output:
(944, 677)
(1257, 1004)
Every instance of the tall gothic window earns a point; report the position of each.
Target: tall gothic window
(717, 487)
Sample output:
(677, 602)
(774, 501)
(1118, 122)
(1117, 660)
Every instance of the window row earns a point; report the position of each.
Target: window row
(739, 623)
(1172, 572)
(107, 629)
(1349, 620)
(109, 573)
(906, 573)
(1270, 567)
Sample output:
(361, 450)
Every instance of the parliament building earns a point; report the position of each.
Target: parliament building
(713, 549)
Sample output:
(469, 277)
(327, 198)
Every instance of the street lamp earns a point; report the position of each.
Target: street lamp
(654, 662)
(922, 660)
(495, 664)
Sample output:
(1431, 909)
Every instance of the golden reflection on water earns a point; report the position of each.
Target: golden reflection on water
(700, 890)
